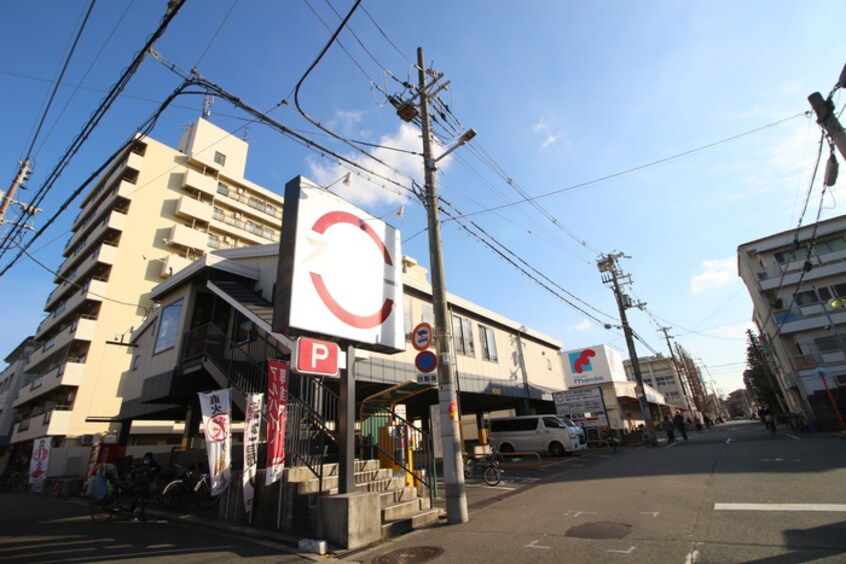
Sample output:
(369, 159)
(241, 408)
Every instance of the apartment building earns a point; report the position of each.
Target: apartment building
(797, 280)
(660, 373)
(153, 211)
(11, 379)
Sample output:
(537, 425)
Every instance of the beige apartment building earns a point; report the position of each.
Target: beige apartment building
(152, 212)
(797, 282)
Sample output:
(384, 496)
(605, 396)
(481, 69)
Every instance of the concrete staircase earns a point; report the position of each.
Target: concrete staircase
(403, 510)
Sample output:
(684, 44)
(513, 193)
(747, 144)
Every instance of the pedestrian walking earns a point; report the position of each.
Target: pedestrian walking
(678, 421)
(667, 425)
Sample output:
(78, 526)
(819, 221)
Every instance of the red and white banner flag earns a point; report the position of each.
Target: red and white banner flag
(277, 401)
(40, 459)
(252, 430)
(216, 410)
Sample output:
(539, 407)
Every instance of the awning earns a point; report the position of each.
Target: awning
(386, 399)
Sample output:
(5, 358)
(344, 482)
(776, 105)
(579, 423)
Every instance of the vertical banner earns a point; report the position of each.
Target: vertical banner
(215, 407)
(277, 401)
(38, 462)
(252, 429)
(92, 464)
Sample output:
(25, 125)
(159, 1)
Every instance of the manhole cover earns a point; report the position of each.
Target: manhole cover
(600, 530)
(411, 555)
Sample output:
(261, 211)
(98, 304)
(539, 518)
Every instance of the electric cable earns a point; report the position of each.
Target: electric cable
(641, 167)
(172, 10)
(216, 33)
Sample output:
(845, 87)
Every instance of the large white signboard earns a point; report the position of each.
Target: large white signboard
(593, 365)
(340, 272)
(581, 400)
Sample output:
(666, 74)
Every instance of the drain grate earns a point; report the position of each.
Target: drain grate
(600, 530)
(410, 555)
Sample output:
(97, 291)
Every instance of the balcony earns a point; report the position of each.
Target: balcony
(770, 278)
(94, 290)
(190, 209)
(184, 236)
(105, 254)
(194, 181)
(53, 422)
(808, 317)
(173, 264)
(68, 373)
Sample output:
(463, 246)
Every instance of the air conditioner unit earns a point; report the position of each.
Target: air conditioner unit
(86, 440)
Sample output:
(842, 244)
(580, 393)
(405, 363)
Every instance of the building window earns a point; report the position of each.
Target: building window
(135, 361)
(828, 344)
(169, 326)
(245, 330)
(807, 297)
(487, 340)
(222, 189)
(462, 334)
(220, 158)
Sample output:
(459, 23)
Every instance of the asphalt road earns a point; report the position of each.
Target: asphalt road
(734, 493)
(39, 529)
(675, 504)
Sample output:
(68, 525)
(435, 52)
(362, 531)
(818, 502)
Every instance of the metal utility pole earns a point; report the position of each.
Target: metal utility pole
(608, 266)
(456, 498)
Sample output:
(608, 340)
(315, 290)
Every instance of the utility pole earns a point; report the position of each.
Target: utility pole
(8, 197)
(456, 498)
(611, 274)
(828, 121)
(676, 367)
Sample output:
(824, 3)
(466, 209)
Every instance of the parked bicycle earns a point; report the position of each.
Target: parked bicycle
(491, 465)
(113, 496)
(189, 485)
(15, 482)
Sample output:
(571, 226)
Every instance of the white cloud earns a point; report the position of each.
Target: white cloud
(367, 189)
(583, 325)
(717, 273)
(550, 136)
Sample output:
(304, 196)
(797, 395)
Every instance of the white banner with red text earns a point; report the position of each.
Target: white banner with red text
(216, 410)
(38, 462)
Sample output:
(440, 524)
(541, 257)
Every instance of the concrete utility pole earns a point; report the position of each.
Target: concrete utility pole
(608, 266)
(676, 367)
(456, 498)
(828, 121)
(9, 196)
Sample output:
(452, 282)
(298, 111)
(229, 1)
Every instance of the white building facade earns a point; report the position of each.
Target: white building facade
(796, 279)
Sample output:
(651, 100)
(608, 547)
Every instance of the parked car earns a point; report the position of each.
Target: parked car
(553, 434)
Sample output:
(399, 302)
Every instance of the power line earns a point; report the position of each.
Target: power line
(173, 9)
(640, 167)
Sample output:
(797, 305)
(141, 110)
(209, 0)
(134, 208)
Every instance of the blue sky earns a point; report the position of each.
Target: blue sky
(570, 101)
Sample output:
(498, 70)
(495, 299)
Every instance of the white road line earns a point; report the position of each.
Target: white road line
(629, 551)
(728, 441)
(823, 507)
(534, 544)
(488, 487)
(795, 438)
(692, 556)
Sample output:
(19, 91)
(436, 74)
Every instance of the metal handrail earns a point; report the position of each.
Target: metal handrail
(421, 444)
(311, 405)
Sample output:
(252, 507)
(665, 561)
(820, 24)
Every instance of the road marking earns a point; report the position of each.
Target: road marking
(825, 507)
(795, 438)
(652, 513)
(728, 441)
(692, 556)
(629, 551)
(534, 544)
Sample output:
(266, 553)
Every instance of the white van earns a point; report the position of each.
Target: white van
(554, 434)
